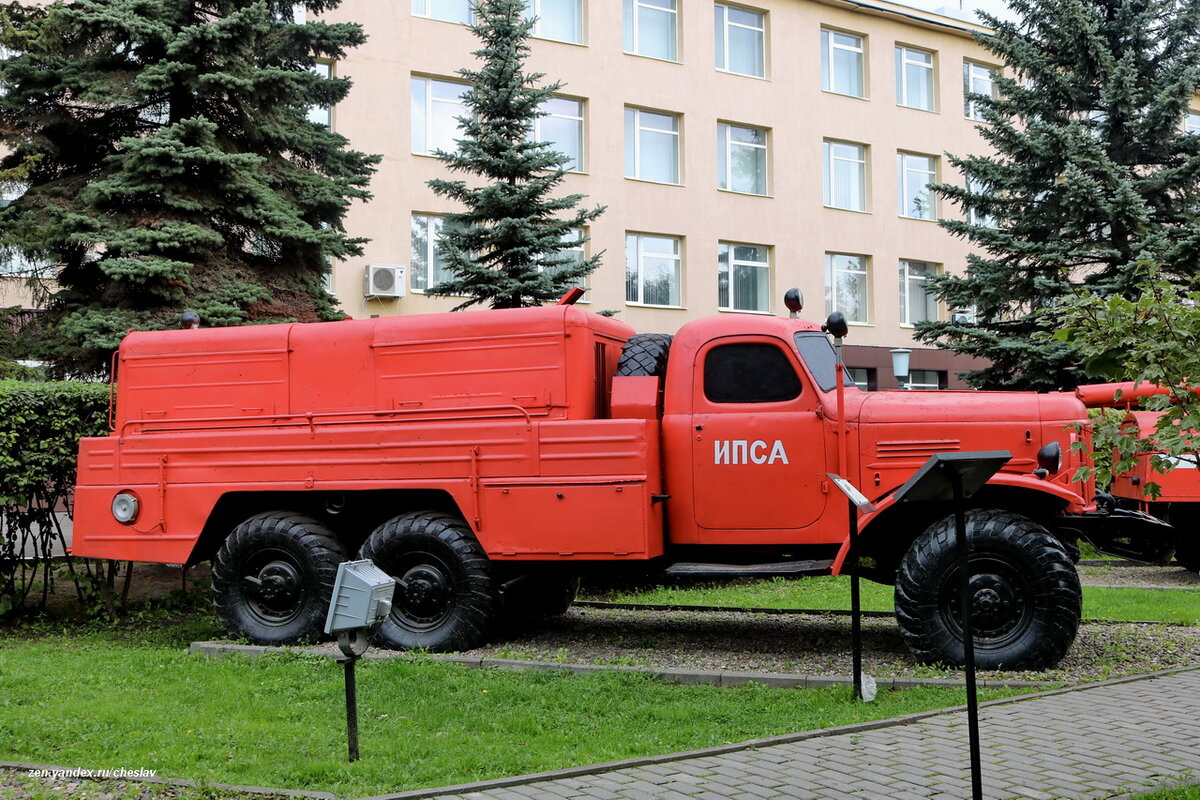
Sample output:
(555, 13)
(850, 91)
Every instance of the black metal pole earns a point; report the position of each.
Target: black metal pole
(855, 601)
(964, 567)
(351, 708)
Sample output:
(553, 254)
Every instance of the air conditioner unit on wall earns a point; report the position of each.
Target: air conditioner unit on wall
(385, 280)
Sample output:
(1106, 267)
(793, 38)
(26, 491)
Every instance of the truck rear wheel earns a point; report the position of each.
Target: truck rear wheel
(1026, 600)
(446, 595)
(1187, 549)
(645, 354)
(273, 577)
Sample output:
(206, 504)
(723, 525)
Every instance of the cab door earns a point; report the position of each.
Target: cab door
(758, 445)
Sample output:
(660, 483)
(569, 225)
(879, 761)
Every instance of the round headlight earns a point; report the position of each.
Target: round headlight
(1049, 457)
(125, 507)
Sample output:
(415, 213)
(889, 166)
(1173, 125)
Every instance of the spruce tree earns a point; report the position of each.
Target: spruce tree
(168, 163)
(508, 248)
(1091, 171)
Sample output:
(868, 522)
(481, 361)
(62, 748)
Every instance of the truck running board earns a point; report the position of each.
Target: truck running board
(782, 569)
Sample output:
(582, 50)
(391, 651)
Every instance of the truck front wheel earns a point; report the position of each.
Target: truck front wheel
(446, 595)
(273, 577)
(1025, 595)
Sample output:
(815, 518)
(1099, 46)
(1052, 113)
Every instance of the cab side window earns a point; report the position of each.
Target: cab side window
(749, 372)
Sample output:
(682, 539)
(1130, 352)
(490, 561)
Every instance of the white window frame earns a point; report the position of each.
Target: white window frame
(319, 114)
(726, 154)
(429, 106)
(974, 216)
(911, 282)
(434, 223)
(636, 144)
(533, 8)
(572, 235)
(831, 161)
(14, 264)
(722, 24)
(632, 28)
(903, 90)
(539, 136)
(729, 268)
(639, 242)
(834, 270)
(425, 9)
(907, 172)
(829, 44)
(1191, 122)
(924, 386)
(974, 71)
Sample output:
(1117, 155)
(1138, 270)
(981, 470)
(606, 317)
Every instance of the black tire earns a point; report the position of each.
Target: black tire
(446, 595)
(1187, 549)
(1027, 600)
(645, 354)
(539, 596)
(273, 577)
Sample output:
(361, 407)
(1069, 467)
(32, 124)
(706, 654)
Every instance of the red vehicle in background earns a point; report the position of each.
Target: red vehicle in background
(487, 459)
(1178, 498)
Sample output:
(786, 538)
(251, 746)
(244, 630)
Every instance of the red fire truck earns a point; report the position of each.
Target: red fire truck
(487, 459)
(1178, 499)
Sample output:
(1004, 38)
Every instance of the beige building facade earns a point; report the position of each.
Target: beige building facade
(740, 149)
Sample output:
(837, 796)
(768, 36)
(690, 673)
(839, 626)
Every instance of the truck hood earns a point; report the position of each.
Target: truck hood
(964, 406)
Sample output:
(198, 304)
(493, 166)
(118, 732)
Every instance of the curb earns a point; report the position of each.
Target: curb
(687, 677)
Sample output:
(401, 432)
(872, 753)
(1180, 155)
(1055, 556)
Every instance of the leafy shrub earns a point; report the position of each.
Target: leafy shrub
(40, 428)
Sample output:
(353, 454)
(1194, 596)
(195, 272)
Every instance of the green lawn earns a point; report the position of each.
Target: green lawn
(1180, 793)
(1180, 606)
(112, 699)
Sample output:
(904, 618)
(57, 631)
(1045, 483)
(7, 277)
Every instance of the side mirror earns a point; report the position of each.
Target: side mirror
(836, 326)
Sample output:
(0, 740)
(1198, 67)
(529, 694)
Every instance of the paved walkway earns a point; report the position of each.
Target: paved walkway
(1105, 741)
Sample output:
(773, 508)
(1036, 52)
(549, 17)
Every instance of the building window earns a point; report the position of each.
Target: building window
(651, 146)
(571, 256)
(319, 114)
(915, 174)
(914, 78)
(1192, 123)
(842, 67)
(977, 79)
(927, 379)
(436, 106)
(864, 378)
(652, 267)
(974, 215)
(845, 175)
(428, 266)
(847, 286)
(448, 10)
(559, 20)
(740, 40)
(562, 127)
(13, 262)
(917, 303)
(741, 158)
(743, 277)
(650, 28)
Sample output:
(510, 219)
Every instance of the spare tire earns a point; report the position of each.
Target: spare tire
(645, 354)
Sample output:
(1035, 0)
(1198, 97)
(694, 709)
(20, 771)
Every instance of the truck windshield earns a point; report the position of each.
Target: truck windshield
(817, 353)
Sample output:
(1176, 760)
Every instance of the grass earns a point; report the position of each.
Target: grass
(131, 697)
(1177, 793)
(1178, 606)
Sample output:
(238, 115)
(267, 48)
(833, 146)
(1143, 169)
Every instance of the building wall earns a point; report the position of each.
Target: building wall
(792, 221)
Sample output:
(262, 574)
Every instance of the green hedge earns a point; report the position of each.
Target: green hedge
(40, 428)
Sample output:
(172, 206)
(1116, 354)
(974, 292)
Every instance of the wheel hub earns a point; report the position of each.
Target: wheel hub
(425, 590)
(995, 604)
(279, 583)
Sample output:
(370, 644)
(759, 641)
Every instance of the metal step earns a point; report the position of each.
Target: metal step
(781, 569)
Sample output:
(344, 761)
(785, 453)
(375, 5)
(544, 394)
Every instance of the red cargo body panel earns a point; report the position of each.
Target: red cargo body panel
(456, 403)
